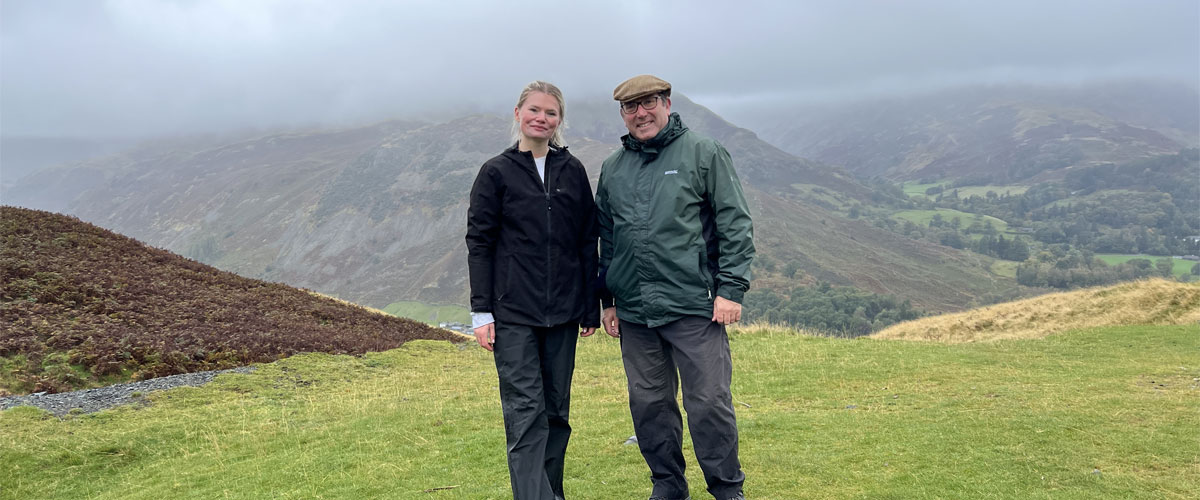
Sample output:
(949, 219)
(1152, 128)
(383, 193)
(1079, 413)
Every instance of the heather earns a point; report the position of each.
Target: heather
(81, 307)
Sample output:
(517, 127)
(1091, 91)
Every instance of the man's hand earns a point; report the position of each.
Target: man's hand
(587, 332)
(726, 311)
(486, 335)
(608, 318)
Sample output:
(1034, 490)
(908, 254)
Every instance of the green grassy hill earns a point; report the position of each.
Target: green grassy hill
(1092, 413)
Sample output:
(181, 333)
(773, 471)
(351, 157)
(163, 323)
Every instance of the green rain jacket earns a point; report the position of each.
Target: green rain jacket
(675, 231)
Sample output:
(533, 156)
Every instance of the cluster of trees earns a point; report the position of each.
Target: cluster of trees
(1148, 206)
(1062, 268)
(951, 233)
(835, 310)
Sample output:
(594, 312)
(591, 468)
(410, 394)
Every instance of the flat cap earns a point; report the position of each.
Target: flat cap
(639, 86)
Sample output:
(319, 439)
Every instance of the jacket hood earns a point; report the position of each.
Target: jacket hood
(669, 133)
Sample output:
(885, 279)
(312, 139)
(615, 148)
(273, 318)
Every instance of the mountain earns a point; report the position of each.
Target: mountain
(376, 214)
(22, 155)
(996, 135)
(82, 306)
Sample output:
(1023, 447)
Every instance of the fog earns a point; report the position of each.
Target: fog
(136, 68)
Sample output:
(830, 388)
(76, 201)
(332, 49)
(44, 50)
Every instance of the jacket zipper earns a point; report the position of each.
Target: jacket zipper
(549, 239)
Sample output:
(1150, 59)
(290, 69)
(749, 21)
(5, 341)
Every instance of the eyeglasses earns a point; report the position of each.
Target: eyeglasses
(647, 103)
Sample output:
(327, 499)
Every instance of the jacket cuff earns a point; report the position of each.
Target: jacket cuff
(731, 293)
(479, 319)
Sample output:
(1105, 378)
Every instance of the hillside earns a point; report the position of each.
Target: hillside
(82, 307)
(996, 135)
(375, 215)
(1149, 302)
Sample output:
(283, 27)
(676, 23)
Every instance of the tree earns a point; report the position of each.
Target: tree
(790, 269)
(1165, 266)
(1018, 250)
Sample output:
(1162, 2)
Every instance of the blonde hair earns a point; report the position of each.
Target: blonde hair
(549, 89)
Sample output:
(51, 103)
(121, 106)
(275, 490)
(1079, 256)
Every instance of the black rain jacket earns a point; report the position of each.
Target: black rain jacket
(531, 246)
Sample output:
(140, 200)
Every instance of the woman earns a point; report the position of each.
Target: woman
(531, 243)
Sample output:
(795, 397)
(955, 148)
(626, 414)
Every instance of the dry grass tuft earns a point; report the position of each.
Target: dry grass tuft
(1148, 302)
(765, 328)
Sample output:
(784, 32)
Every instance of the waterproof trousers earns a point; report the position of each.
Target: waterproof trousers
(535, 366)
(695, 351)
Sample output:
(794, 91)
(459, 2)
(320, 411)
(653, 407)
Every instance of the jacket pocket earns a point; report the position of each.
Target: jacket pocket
(705, 276)
(501, 280)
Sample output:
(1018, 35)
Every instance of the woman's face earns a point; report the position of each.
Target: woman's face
(539, 116)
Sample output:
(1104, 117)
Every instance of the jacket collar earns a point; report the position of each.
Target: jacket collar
(555, 153)
(668, 134)
(555, 157)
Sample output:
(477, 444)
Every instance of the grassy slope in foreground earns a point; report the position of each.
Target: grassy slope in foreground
(1091, 414)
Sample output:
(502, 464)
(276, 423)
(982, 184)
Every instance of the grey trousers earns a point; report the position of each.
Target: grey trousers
(695, 351)
(535, 367)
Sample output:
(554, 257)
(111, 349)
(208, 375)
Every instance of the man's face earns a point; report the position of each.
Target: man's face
(644, 124)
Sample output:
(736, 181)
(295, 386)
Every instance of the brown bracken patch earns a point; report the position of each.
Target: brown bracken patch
(81, 306)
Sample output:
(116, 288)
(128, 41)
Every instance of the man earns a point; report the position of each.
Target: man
(675, 251)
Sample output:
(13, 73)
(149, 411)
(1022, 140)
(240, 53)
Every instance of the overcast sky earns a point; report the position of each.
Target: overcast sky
(145, 67)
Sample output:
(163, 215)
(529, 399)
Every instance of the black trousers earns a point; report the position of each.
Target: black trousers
(695, 351)
(535, 366)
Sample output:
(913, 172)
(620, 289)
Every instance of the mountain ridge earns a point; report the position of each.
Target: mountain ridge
(1002, 134)
(372, 214)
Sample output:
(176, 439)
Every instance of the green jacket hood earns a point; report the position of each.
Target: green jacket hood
(667, 135)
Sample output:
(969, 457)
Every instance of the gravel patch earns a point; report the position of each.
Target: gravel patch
(103, 398)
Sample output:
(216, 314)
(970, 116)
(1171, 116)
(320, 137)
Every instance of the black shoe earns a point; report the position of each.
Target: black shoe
(665, 498)
(739, 496)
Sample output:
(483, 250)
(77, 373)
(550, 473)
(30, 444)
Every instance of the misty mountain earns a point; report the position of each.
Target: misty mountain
(997, 135)
(376, 214)
(22, 155)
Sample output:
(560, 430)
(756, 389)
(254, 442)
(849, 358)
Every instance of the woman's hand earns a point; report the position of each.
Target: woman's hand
(486, 335)
(587, 332)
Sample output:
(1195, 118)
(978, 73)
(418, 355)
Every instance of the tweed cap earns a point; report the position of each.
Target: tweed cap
(639, 86)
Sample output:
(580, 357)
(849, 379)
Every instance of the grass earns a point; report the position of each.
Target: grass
(814, 192)
(923, 217)
(1090, 414)
(1006, 268)
(1148, 302)
(1179, 267)
(431, 314)
(916, 189)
